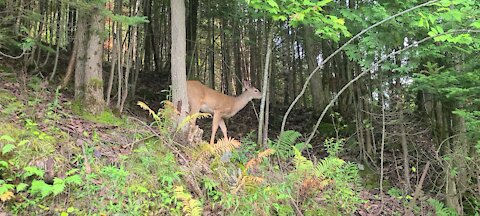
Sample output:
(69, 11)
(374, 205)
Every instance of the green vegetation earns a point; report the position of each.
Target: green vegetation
(49, 168)
(372, 107)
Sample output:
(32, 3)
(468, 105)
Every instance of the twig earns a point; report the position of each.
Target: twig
(13, 57)
(297, 209)
(419, 185)
(382, 151)
(137, 141)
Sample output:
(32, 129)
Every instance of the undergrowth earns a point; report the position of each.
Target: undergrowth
(54, 161)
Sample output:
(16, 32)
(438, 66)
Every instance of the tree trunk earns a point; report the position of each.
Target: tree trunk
(93, 101)
(237, 55)
(147, 39)
(311, 53)
(192, 22)
(81, 43)
(178, 69)
(263, 119)
(212, 52)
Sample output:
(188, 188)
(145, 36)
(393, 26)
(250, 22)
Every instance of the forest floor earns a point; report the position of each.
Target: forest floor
(58, 160)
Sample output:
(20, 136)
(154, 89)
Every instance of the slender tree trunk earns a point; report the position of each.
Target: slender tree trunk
(212, 52)
(178, 69)
(113, 65)
(147, 37)
(403, 141)
(237, 56)
(311, 53)
(192, 22)
(262, 121)
(59, 31)
(81, 43)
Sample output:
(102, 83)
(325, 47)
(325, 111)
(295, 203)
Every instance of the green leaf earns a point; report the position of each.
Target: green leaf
(29, 171)
(7, 138)
(476, 24)
(3, 163)
(21, 187)
(23, 142)
(40, 187)
(8, 148)
(74, 179)
(272, 3)
(70, 209)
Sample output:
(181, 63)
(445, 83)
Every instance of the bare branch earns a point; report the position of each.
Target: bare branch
(337, 51)
(375, 65)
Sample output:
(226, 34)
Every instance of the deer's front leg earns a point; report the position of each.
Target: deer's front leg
(224, 128)
(215, 122)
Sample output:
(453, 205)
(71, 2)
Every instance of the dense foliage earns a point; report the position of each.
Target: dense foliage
(387, 90)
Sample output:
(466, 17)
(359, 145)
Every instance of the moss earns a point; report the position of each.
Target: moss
(94, 83)
(31, 143)
(105, 117)
(6, 96)
(371, 179)
(327, 129)
(9, 103)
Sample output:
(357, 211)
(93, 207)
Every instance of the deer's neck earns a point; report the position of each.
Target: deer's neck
(240, 102)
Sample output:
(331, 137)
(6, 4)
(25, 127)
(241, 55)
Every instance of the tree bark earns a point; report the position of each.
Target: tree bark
(81, 42)
(178, 69)
(93, 101)
(192, 22)
(311, 53)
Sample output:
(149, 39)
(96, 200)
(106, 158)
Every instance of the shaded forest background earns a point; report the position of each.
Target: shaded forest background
(402, 96)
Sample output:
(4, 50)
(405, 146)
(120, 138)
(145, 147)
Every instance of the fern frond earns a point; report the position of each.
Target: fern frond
(266, 153)
(283, 145)
(150, 111)
(328, 166)
(205, 151)
(259, 158)
(252, 180)
(440, 208)
(302, 164)
(189, 118)
(191, 206)
(227, 145)
(248, 182)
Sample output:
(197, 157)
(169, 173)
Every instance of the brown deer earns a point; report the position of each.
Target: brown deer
(221, 106)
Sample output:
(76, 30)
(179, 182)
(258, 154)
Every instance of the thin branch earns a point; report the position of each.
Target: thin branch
(14, 57)
(419, 185)
(368, 70)
(307, 81)
(382, 151)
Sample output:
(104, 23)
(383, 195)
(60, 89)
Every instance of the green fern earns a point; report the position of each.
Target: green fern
(150, 111)
(283, 145)
(328, 166)
(333, 146)
(191, 206)
(192, 117)
(302, 164)
(205, 151)
(440, 208)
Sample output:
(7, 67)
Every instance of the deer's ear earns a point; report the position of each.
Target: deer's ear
(246, 83)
